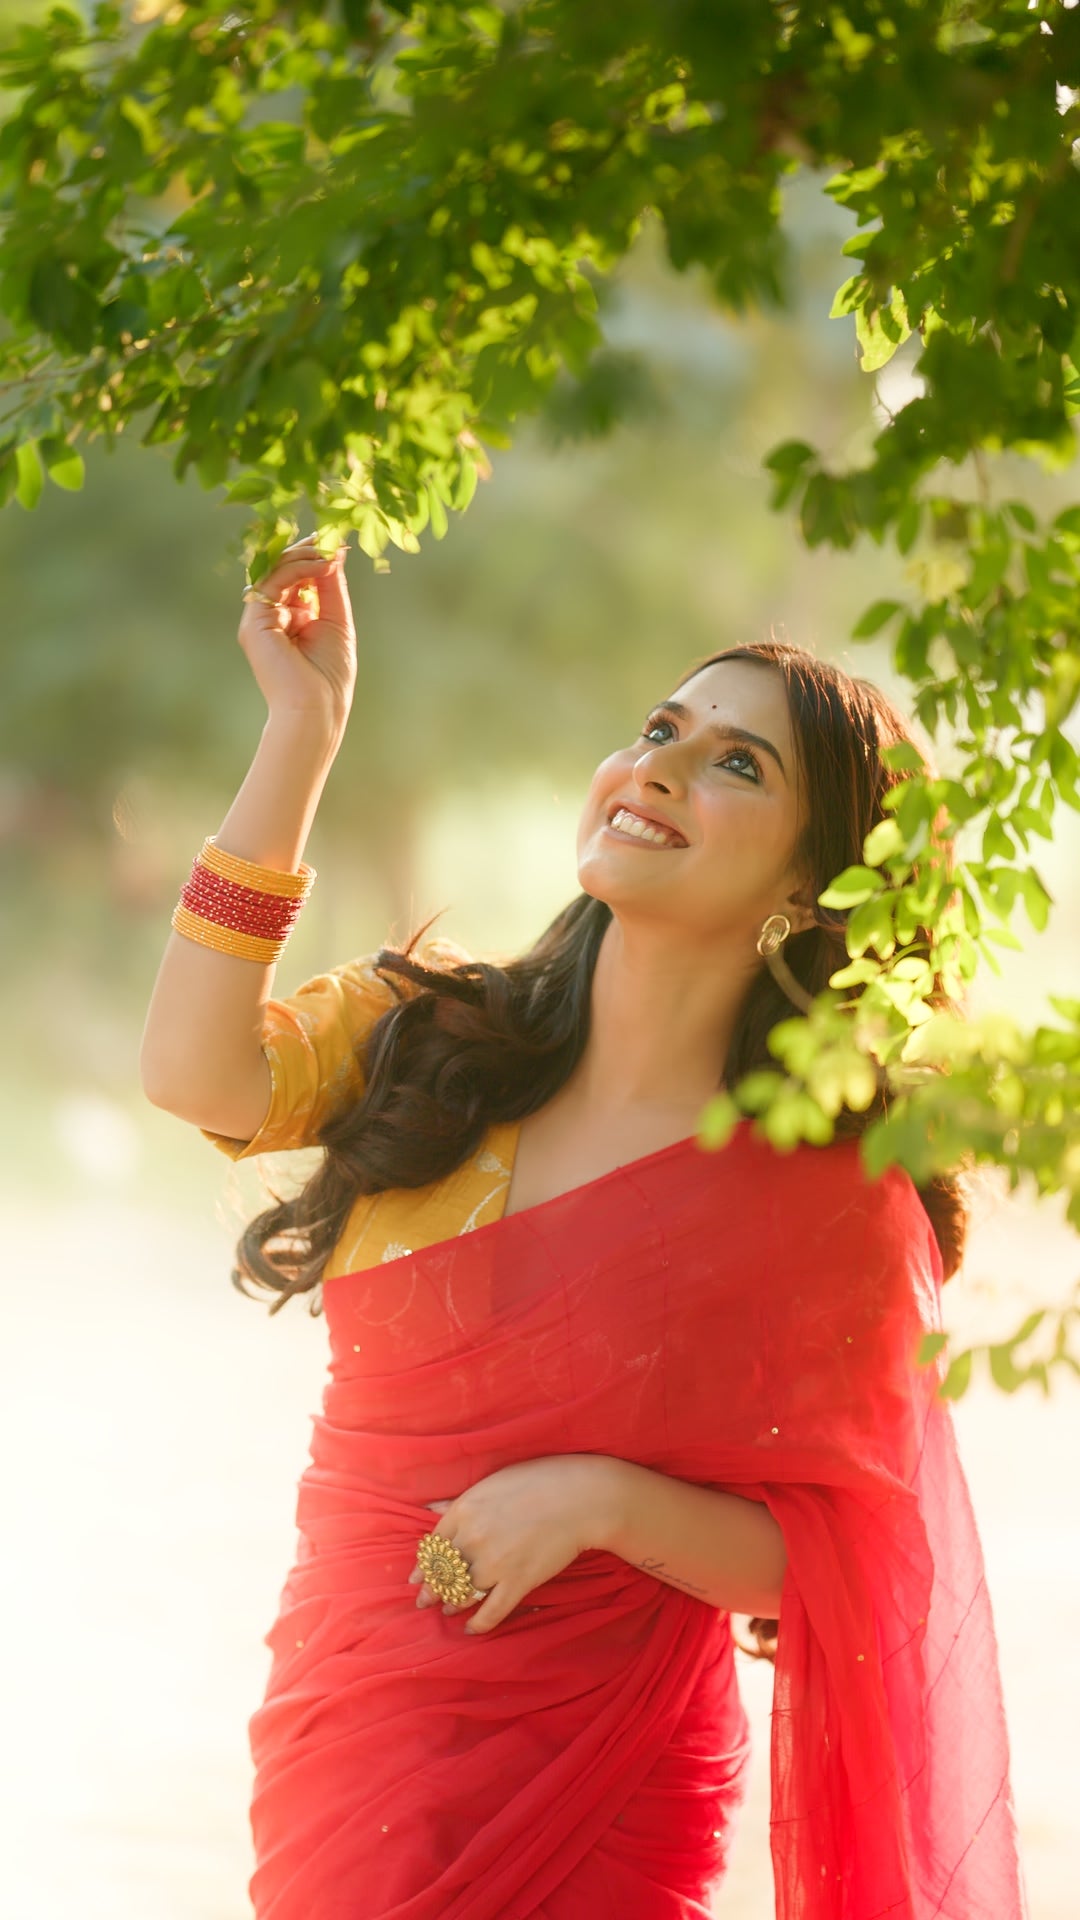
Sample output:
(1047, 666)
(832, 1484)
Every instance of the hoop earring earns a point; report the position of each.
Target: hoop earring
(773, 934)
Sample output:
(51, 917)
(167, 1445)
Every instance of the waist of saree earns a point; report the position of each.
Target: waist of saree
(422, 1772)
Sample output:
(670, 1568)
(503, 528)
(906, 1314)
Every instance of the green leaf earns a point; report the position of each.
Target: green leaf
(880, 332)
(718, 1121)
(62, 303)
(758, 1089)
(997, 842)
(907, 526)
(249, 488)
(849, 297)
(402, 536)
(855, 974)
(795, 1116)
(789, 457)
(958, 1378)
(1061, 688)
(1027, 1328)
(63, 464)
(372, 532)
(1036, 899)
(439, 521)
(930, 1346)
(212, 464)
(302, 387)
(826, 513)
(990, 564)
(143, 122)
(870, 925)
(1022, 515)
(851, 887)
(875, 618)
(882, 842)
(466, 485)
(901, 756)
(1003, 1370)
(31, 479)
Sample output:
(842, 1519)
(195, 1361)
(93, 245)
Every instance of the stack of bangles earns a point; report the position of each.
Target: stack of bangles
(237, 907)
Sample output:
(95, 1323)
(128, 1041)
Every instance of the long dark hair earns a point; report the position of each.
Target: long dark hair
(468, 1045)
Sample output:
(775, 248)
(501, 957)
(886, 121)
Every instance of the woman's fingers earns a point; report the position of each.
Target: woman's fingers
(426, 1597)
(304, 556)
(334, 602)
(307, 588)
(289, 574)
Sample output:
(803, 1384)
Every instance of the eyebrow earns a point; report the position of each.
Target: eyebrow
(723, 730)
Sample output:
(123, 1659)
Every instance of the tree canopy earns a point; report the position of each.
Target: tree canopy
(331, 253)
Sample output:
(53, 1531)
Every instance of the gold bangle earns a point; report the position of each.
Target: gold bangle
(230, 866)
(209, 933)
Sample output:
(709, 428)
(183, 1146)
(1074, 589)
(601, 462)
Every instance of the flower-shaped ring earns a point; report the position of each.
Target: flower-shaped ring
(447, 1571)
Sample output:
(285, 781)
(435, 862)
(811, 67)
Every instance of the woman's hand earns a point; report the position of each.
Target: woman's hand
(302, 655)
(522, 1526)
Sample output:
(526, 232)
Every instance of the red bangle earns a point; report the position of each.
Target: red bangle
(238, 906)
(232, 905)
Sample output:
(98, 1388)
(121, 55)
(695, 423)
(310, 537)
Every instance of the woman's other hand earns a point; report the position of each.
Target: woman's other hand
(522, 1526)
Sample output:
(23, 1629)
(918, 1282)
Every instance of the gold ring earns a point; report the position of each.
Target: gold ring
(267, 602)
(447, 1572)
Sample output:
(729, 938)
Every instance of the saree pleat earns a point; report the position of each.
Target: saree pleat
(742, 1320)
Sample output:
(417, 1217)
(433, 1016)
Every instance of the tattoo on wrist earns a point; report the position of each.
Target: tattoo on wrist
(657, 1567)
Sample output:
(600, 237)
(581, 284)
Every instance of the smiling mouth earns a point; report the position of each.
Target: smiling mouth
(630, 826)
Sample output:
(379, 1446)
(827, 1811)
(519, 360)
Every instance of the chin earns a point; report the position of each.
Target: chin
(598, 877)
(592, 884)
(592, 879)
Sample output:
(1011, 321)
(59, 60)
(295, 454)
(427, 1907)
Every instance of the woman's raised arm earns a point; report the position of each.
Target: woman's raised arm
(200, 1056)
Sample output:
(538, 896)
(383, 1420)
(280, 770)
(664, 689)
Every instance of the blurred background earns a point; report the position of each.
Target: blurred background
(155, 1421)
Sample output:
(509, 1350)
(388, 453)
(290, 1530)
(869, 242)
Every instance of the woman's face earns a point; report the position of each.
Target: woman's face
(716, 781)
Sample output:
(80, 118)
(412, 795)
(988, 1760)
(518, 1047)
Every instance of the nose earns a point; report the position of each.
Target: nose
(657, 768)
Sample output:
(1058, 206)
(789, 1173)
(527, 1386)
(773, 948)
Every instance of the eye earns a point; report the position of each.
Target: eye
(743, 753)
(656, 722)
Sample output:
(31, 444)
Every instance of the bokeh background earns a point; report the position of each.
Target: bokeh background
(155, 1422)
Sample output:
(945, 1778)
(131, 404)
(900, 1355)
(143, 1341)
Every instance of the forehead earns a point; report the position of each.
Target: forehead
(749, 693)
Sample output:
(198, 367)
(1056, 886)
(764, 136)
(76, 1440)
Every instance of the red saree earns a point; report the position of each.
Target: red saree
(745, 1320)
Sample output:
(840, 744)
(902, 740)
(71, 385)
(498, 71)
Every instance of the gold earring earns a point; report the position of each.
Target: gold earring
(769, 942)
(773, 934)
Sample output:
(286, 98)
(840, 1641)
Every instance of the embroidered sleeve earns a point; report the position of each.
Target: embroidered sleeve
(310, 1040)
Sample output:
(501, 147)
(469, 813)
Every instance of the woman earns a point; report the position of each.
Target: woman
(592, 1387)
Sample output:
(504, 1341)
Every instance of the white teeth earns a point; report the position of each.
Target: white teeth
(630, 823)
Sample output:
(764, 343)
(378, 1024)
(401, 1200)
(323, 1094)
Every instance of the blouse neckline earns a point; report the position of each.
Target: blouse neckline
(508, 1135)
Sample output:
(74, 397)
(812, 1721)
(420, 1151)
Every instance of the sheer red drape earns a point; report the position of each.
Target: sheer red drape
(745, 1320)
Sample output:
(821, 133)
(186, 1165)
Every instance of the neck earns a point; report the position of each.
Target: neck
(661, 1021)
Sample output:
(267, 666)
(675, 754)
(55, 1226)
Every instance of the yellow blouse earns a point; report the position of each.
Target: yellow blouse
(309, 1040)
